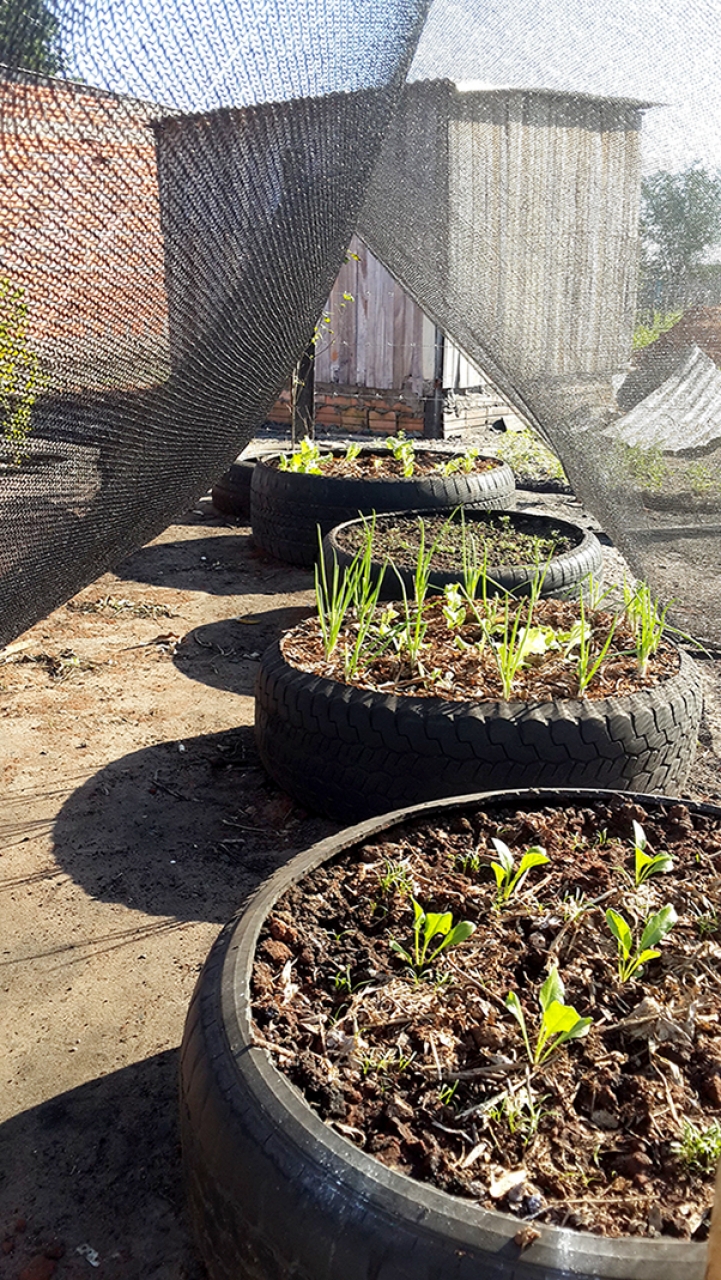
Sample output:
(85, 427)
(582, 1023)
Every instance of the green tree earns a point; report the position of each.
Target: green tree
(680, 219)
(30, 37)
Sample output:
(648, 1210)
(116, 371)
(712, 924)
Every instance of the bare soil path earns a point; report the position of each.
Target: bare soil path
(135, 818)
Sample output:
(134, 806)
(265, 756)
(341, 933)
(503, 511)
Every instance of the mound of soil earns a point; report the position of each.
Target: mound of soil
(424, 1066)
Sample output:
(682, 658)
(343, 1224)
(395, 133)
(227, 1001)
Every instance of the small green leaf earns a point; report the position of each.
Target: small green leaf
(645, 956)
(658, 926)
(534, 858)
(620, 931)
(639, 836)
(558, 1018)
(513, 1004)
(499, 873)
(463, 930)
(437, 922)
(401, 951)
(504, 854)
(552, 990)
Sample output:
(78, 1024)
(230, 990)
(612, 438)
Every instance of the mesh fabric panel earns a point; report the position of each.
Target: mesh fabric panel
(163, 266)
(178, 194)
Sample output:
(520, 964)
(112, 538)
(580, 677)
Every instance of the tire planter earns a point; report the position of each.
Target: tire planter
(287, 508)
(275, 1194)
(350, 753)
(562, 574)
(231, 492)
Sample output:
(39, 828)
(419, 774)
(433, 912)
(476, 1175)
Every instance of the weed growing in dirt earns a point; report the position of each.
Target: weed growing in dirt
(307, 459)
(508, 876)
(520, 1112)
(559, 1021)
(699, 1149)
(395, 877)
(632, 955)
(403, 451)
(464, 462)
(529, 456)
(427, 926)
(647, 864)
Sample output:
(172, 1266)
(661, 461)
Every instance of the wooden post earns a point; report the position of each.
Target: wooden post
(303, 395)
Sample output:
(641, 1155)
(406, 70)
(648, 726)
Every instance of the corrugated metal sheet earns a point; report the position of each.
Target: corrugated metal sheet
(684, 412)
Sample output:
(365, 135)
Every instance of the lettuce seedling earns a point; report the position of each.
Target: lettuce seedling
(647, 864)
(560, 1022)
(508, 878)
(427, 926)
(631, 956)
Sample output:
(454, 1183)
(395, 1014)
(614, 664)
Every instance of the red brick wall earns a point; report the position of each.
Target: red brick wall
(80, 231)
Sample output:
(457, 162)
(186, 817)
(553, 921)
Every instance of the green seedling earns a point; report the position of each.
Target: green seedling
(559, 1021)
(403, 451)
(352, 451)
(641, 611)
(307, 459)
(508, 876)
(454, 609)
(630, 955)
(647, 864)
(427, 926)
(446, 1094)
(586, 668)
(395, 876)
(467, 862)
(463, 462)
(520, 1112)
(699, 1149)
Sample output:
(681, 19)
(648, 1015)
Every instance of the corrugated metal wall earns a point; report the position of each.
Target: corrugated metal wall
(518, 234)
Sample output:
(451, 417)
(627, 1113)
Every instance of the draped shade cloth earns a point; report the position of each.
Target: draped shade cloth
(179, 187)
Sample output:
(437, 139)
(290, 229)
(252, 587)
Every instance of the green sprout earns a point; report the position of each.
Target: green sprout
(395, 876)
(699, 1149)
(508, 876)
(427, 926)
(352, 451)
(630, 955)
(560, 1022)
(462, 462)
(403, 451)
(647, 864)
(306, 459)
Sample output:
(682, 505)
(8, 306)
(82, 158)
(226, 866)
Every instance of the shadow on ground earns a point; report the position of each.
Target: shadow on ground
(224, 564)
(225, 654)
(181, 833)
(99, 1167)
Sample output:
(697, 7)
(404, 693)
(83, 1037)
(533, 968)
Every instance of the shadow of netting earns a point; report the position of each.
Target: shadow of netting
(166, 267)
(521, 243)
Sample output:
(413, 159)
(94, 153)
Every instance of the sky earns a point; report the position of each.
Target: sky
(200, 54)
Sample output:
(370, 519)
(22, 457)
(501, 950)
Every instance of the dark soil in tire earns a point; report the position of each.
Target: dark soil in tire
(350, 753)
(288, 508)
(276, 1194)
(565, 552)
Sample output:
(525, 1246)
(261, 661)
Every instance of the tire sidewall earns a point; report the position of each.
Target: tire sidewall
(561, 572)
(315, 1177)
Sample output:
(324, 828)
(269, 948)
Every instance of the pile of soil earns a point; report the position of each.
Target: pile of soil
(424, 1067)
(494, 537)
(382, 466)
(470, 670)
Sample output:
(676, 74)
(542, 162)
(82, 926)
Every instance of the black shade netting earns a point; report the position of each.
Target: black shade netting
(170, 230)
(180, 183)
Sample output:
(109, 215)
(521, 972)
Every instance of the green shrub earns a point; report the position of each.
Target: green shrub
(20, 375)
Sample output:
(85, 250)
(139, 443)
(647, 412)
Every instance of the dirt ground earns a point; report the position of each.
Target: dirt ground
(135, 819)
